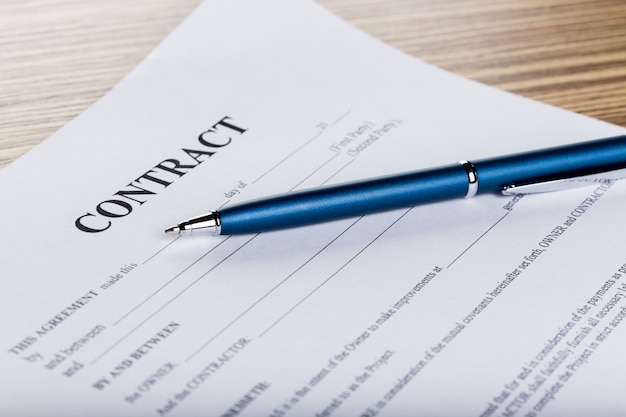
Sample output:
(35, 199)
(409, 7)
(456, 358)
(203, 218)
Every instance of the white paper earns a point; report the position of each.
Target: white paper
(489, 306)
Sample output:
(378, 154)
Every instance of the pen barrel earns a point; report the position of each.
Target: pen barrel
(324, 204)
(419, 187)
(556, 163)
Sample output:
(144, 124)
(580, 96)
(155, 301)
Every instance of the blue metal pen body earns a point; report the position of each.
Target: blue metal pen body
(420, 187)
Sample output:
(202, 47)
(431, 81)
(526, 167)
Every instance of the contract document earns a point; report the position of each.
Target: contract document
(492, 306)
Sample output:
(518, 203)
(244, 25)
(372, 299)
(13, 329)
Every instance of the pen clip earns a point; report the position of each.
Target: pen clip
(565, 183)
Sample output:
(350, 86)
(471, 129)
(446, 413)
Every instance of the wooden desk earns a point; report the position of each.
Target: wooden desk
(59, 56)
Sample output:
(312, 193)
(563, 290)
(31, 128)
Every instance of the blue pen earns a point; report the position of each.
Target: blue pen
(542, 170)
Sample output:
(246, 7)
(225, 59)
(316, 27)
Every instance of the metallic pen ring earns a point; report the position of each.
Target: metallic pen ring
(472, 178)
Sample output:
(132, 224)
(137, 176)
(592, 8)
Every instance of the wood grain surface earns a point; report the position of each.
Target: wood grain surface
(57, 57)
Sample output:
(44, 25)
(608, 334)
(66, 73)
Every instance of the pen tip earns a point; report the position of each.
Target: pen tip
(172, 229)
